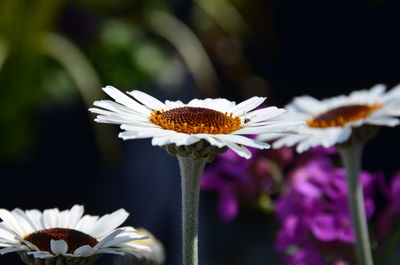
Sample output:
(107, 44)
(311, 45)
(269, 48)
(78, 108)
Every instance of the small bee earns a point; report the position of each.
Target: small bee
(246, 120)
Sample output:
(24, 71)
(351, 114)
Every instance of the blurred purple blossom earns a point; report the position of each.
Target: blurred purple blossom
(307, 194)
(237, 180)
(314, 215)
(243, 180)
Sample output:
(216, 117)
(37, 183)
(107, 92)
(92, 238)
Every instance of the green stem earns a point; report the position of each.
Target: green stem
(351, 157)
(191, 171)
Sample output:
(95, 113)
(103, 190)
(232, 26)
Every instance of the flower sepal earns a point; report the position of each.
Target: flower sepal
(202, 150)
(360, 135)
(58, 260)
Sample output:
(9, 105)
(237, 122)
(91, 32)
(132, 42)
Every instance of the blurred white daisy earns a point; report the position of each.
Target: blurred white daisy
(220, 122)
(155, 257)
(331, 121)
(41, 237)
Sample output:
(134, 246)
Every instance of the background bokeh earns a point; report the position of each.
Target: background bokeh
(56, 55)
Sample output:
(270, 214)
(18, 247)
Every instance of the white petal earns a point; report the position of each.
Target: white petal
(120, 119)
(50, 218)
(7, 232)
(120, 97)
(197, 103)
(239, 139)
(145, 130)
(288, 141)
(277, 127)
(145, 134)
(263, 114)
(137, 246)
(114, 251)
(63, 219)
(333, 135)
(84, 251)
(29, 244)
(176, 138)
(117, 240)
(41, 254)
(391, 110)
(384, 121)
(247, 106)
(308, 104)
(174, 104)
(86, 223)
(377, 91)
(109, 222)
(240, 150)
(305, 145)
(211, 139)
(281, 122)
(11, 221)
(140, 126)
(320, 139)
(10, 250)
(269, 136)
(187, 140)
(58, 247)
(323, 137)
(160, 140)
(393, 93)
(75, 215)
(114, 107)
(132, 135)
(9, 242)
(147, 100)
(109, 237)
(35, 217)
(24, 221)
(219, 104)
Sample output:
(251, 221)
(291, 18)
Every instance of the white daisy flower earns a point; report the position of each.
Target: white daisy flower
(155, 257)
(220, 122)
(331, 121)
(44, 237)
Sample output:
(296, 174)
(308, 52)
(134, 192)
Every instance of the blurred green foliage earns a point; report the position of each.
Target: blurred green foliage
(128, 56)
(21, 73)
(129, 44)
(35, 74)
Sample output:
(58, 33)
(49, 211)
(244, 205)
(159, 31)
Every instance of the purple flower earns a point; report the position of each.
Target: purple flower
(314, 214)
(226, 177)
(243, 180)
(291, 234)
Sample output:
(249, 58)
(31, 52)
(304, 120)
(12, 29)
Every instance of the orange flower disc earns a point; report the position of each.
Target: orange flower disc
(193, 120)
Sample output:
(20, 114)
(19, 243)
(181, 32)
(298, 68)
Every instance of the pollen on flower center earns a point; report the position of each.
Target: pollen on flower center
(73, 238)
(340, 116)
(196, 120)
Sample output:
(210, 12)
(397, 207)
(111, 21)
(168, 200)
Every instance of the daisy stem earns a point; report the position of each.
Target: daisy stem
(191, 171)
(351, 156)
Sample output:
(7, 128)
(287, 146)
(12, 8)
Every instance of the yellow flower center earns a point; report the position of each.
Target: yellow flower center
(196, 120)
(73, 238)
(340, 116)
